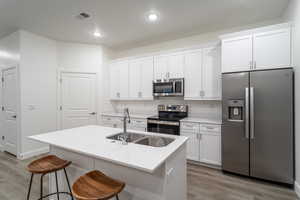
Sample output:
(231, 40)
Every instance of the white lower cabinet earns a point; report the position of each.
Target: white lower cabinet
(192, 145)
(204, 144)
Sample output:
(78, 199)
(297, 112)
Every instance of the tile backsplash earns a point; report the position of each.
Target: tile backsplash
(207, 109)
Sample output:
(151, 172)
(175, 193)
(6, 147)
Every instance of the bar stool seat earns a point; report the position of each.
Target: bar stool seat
(47, 164)
(96, 186)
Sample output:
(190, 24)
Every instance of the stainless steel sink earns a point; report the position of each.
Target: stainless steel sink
(129, 137)
(155, 141)
(137, 138)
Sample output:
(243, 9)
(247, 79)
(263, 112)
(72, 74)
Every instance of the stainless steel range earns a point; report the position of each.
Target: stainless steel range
(168, 119)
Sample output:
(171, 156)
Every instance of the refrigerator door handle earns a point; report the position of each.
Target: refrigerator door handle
(247, 113)
(252, 112)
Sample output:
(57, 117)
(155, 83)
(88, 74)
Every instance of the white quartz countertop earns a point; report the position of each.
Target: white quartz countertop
(202, 120)
(139, 116)
(91, 141)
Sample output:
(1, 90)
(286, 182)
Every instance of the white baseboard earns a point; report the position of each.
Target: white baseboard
(297, 188)
(33, 153)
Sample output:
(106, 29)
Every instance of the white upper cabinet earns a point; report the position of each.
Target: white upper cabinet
(140, 78)
(193, 74)
(237, 54)
(146, 78)
(263, 48)
(124, 80)
(114, 81)
(272, 49)
(176, 65)
(134, 79)
(211, 73)
(119, 81)
(169, 66)
(203, 74)
(160, 67)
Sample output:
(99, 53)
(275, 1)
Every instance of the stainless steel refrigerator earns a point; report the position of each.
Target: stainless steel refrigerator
(258, 124)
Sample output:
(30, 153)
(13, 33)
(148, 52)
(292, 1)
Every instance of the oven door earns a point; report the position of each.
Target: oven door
(166, 127)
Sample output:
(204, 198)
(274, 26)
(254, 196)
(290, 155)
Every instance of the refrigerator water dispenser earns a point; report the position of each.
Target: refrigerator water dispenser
(235, 110)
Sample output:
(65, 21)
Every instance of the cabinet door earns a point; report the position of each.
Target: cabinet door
(193, 74)
(124, 81)
(146, 78)
(134, 79)
(210, 148)
(237, 54)
(114, 81)
(176, 65)
(272, 49)
(192, 145)
(160, 67)
(211, 73)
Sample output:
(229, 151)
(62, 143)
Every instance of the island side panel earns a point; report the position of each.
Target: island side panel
(140, 185)
(176, 175)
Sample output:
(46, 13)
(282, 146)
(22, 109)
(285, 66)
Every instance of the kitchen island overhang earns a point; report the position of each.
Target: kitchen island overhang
(149, 172)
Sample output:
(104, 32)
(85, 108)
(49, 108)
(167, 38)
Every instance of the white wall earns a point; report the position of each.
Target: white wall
(293, 14)
(38, 68)
(9, 56)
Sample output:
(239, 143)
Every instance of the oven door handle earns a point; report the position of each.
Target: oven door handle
(163, 123)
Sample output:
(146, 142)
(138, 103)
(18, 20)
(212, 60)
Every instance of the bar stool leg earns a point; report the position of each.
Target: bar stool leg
(30, 183)
(68, 183)
(117, 197)
(57, 192)
(41, 194)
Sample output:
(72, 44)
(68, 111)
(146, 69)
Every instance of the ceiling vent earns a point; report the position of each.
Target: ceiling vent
(83, 16)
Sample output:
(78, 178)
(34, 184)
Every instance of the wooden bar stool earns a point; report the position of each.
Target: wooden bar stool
(46, 165)
(96, 186)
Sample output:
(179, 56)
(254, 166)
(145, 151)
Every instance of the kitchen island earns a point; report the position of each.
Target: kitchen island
(150, 173)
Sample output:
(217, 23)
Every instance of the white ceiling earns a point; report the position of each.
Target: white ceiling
(123, 21)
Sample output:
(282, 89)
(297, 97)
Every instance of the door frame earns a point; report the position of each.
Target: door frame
(18, 107)
(59, 90)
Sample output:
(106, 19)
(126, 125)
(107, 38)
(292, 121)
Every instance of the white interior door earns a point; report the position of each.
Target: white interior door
(9, 109)
(78, 97)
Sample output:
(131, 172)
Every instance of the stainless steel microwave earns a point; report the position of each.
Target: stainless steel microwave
(169, 87)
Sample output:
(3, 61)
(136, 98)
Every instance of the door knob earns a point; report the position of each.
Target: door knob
(14, 116)
(93, 113)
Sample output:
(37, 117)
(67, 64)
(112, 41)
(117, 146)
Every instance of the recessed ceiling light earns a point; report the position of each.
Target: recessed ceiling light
(152, 17)
(97, 34)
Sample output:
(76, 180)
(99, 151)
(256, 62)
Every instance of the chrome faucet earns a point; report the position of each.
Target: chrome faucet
(125, 119)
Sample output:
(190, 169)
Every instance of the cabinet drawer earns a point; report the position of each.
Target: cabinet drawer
(139, 122)
(111, 120)
(210, 128)
(190, 127)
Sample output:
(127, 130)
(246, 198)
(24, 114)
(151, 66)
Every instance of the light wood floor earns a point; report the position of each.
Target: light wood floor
(203, 184)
